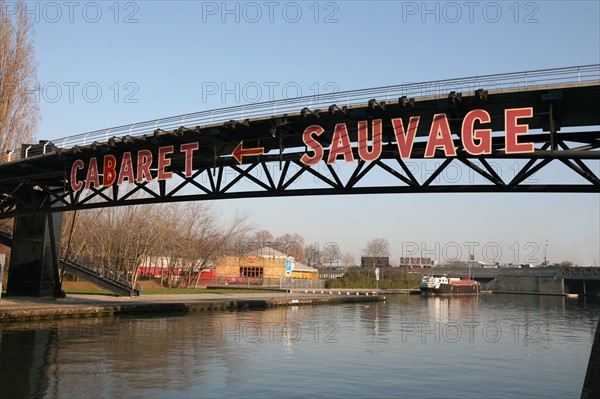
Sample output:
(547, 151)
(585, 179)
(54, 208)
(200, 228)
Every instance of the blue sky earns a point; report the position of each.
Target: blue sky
(102, 64)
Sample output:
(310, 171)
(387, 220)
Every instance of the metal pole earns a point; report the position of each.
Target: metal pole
(470, 270)
(57, 280)
(2, 260)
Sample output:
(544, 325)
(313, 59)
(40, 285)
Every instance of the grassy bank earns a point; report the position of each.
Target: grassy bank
(148, 288)
(389, 279)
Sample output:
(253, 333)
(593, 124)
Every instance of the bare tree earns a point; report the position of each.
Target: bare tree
(168, 253)
(145, 234)
(6, 227)
(118, 239)
(260, 239)
(376, 248)
(239, 245)
(206, 238)
(566, 263)
(290, 244)
(19, 112)
(186, 237)
(331, 254)
(312, 255)
(77, 230)
(347, 260)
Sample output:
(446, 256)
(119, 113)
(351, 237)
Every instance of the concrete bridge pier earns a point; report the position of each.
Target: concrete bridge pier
(552, 285)
(33, 269)
(591, 384)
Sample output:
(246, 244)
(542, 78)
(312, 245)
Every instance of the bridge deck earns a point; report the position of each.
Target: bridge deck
(507, 83)
(575, 273)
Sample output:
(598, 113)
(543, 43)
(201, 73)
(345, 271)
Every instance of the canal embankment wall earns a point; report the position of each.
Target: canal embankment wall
(34, 309)
(527, 284)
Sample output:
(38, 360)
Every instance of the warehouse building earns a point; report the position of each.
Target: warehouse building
(265, 264)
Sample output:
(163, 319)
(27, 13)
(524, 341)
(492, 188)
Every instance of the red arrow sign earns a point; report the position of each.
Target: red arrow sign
(240, 151)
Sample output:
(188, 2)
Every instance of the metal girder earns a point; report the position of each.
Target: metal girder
(40, 182)
(261, 179)
(587, 273)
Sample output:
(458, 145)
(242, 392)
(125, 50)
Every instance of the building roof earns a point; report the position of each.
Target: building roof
(268, 252)
(301, 267)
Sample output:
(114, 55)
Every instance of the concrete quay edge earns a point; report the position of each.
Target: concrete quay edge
(80, 306)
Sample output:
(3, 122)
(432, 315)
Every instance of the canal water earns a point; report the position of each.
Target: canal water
(491, 346)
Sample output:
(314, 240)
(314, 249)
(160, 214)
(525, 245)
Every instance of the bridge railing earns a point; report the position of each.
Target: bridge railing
(269, 282)
(588, 273)
(493, 272)
(411, 90)
(103, 271)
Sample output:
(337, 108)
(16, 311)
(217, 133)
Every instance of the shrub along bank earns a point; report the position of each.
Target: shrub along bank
(389, 279)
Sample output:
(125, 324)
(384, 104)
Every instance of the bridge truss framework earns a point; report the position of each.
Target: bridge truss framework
(36, 186)
(564, 127)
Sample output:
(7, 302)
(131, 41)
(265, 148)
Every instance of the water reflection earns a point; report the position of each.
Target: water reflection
(514, 345)
(26, 359)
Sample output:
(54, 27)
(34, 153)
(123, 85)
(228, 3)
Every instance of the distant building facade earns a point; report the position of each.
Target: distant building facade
(374, 261)
(161, 267)
(328, 273)
(416, 262)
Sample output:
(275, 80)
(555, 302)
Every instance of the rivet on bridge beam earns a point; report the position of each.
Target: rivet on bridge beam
(404, 101)
(374, 103)
(455, 97)
(481, 94)
(333, 108)
(305, 111)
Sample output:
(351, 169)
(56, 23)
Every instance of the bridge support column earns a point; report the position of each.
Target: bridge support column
(33, 269)
(591, 384)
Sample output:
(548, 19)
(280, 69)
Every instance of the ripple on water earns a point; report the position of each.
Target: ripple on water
(485, 346)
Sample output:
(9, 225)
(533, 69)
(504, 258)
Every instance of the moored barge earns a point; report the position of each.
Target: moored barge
(444, 285)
